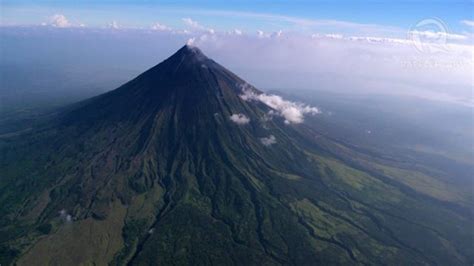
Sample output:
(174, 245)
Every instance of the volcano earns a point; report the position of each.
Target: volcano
(188, 164)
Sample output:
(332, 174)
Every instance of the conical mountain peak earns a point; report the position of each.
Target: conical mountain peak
(176, 167)
(190, 53)
(187, 78)
(187, 58)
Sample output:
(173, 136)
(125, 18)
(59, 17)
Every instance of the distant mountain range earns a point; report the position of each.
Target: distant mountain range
(187, 164)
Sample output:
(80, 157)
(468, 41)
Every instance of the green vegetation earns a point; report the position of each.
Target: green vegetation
(145, 175)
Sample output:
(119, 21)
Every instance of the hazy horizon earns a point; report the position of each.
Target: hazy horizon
(426, 54)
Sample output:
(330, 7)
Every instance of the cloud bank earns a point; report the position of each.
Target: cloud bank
(350, 64)
(416, 62)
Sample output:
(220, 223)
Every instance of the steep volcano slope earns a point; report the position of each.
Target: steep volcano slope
(156, 172)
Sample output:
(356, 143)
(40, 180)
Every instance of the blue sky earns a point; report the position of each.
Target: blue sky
(236, 14)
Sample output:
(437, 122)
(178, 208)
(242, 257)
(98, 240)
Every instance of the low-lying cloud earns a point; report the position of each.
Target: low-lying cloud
(114, 25)
(424, 67)
(239, 119)
(59, 21)
(160, 27)
(65, 216)
(194, 25)
(267, 141)
(292, 112)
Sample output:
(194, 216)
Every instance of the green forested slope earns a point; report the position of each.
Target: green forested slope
(155, 173)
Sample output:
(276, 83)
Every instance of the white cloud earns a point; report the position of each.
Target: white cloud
(196, 26)
(267, 141)
(59, 21)
(277, 34)
(330, 35)
(381, 40)
(292, 112)
(191, 23)
(437, 35)
(64, 215)
(114, 25)
(237, 32)
(160, 27)
(240, 119)
(469, 23)
(190, 41)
